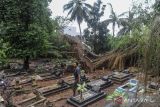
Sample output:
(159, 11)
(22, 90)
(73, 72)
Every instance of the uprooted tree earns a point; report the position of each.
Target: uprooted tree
(128, 53)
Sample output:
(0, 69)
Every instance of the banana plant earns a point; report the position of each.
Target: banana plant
(81, 88)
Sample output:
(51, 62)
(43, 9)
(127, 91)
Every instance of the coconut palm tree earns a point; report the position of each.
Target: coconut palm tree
(114, 19)
(133, 21)
(127, 23)
(77, 10)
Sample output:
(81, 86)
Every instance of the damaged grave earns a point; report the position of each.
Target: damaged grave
(23, 81)
(47, 76)
(45, 91)
(88, 97)
(55, 74)
(26, 81)
(19, 73)
(15, 69)
(24, 86)
(35, 101)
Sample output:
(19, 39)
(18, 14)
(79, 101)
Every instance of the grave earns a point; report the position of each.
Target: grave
(131, 86)
(126, 71)
(45, 91)
(48, 76)
(25, 81)
(21, 81)
(32, 102)
(153, 86)
(88, 98)
(119, 77)
(99, 83)
(19, 89)
(19, 86)
(16, 74)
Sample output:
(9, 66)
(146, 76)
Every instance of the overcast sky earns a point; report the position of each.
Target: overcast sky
(119, 6)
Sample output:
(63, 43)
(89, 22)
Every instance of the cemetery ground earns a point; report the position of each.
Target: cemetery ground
(58, 99)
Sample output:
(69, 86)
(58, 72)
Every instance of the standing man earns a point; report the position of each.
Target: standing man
(76, 77)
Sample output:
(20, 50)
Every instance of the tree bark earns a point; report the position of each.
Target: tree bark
(113, 28)
(26, 63)
(80, 30)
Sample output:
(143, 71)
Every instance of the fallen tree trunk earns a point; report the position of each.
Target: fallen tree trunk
(115, 59)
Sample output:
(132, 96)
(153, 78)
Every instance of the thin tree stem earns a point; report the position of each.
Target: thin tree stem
(80, 30)
(113, 28)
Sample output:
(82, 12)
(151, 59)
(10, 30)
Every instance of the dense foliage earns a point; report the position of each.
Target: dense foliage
(136, 38)
(3, 49)
(27, 26)
(96, 33)
(157, 7)
(58, 46)
(152, 48)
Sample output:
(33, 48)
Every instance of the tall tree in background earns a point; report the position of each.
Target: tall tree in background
(139, 16)
(96, 13)
(114, 19)
(157, 7)
(96, 32)
(143, 13)
(127, 23)
(27, 24)
(78, 10)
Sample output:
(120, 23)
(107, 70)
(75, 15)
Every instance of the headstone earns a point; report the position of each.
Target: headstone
(38, 94)
(1, 101)
(153, 85)
(88, 98)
